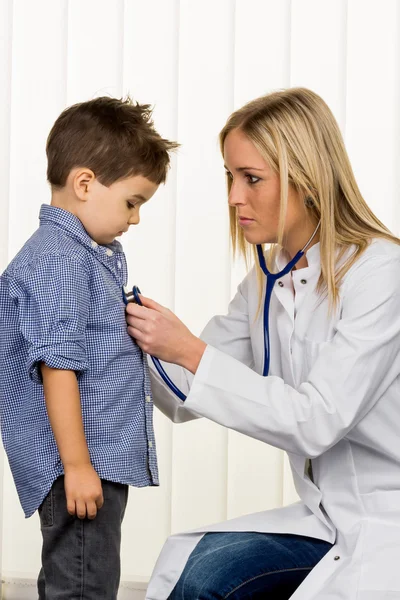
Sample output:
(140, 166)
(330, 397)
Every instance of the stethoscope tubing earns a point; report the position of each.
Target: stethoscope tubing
(271, 278)
(160, 369)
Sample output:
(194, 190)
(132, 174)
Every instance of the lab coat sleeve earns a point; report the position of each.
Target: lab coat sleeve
(165, 399)
(349, 376)
(230, 333)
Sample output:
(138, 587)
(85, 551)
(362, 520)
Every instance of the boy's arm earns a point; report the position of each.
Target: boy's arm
(83, 488)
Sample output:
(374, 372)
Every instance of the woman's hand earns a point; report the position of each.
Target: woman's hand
(160, 333)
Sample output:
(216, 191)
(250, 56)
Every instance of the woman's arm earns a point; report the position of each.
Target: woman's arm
(349, 377)
(229, 332)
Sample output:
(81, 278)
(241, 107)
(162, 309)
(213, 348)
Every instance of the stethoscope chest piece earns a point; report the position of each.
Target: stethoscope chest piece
(132, 296)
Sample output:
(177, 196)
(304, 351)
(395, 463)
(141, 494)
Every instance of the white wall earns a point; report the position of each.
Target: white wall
(196, 61)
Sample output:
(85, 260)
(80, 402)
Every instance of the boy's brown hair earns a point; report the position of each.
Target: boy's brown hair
(114, 138)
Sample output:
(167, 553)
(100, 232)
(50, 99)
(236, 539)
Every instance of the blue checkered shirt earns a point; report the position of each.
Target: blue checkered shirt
(61, 304)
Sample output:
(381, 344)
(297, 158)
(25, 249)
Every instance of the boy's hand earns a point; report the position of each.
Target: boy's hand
(83, 491)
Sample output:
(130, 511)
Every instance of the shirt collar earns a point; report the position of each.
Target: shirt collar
(73, 226)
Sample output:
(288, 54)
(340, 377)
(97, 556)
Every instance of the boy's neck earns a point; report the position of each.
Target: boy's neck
(65, 200)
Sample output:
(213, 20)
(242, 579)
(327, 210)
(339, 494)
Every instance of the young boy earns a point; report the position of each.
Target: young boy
(75, 398)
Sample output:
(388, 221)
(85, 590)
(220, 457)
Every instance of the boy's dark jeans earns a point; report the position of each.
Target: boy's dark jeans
(81, 558)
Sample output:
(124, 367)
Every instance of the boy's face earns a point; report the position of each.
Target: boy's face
(109, 211)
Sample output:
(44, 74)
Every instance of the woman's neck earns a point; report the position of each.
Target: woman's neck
(294, 245)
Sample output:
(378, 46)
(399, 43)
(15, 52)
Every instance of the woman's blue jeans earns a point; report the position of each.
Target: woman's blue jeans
(244, 566)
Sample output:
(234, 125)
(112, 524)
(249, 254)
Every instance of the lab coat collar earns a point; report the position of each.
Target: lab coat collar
(312, 254)
(310, 274)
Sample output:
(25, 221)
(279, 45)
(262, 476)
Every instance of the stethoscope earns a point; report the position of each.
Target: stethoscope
(133, 296)
(271, 279)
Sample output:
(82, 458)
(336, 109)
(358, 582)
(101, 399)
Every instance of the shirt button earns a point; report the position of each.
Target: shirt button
(150, 444)
(303, 281)
(148, 398)
(94, 244)
(109, 252)
(280, 283)
(119, 264)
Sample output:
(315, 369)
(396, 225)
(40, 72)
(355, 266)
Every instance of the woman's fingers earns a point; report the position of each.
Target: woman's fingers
(149, 303)
(136, 311)
(141, 339)
(150, 308)
(136, 333)
(142, 318)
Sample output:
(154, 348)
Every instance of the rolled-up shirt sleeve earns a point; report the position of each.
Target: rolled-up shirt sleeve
(53, 299)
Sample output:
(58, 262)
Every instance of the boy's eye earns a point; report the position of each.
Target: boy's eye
(130, 204)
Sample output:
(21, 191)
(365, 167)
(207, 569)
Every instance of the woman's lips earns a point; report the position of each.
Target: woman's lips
(243, 221)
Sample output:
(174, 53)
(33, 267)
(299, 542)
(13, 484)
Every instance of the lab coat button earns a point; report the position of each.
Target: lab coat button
(303, 281)
(337, 558)
(280, 283)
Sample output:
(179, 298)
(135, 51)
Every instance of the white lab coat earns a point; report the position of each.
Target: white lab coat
(333, 395)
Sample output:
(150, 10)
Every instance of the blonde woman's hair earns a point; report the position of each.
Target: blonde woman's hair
(296, 133)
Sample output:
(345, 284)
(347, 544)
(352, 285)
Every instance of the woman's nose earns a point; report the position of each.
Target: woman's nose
(236, 196)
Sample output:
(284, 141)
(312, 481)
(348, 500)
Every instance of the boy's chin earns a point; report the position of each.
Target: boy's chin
(105, 241)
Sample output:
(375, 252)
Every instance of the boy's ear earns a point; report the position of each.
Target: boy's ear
(83, 180)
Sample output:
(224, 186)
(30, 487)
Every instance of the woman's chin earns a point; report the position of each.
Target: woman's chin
(260, 238)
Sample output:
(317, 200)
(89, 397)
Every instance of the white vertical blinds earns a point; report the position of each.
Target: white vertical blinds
(196, 62)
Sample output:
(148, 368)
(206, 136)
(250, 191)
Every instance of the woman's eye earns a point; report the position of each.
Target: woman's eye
(228, 174)
(252, 179)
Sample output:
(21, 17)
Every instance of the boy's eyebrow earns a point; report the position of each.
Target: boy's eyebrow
(138, 197)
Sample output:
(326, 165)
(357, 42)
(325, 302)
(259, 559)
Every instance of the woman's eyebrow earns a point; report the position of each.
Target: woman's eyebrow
(239, 169)
(249, 168)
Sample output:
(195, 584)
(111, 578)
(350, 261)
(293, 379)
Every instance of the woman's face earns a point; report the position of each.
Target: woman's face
(255, 193)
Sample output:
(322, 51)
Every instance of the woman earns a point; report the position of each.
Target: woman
(332, 357)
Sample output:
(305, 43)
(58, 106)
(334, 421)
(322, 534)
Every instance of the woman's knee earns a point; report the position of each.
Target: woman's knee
(211, 568)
